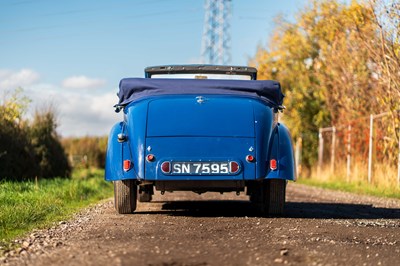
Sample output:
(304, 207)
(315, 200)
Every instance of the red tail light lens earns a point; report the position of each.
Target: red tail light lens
(233, 167)
(127, 165)
(150, 157)
(250, 158)
(166, 167)
(273, 164)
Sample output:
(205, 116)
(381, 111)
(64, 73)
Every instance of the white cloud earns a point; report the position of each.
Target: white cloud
(78, 113)
(13, 79)
(82, 82)
(87, 114)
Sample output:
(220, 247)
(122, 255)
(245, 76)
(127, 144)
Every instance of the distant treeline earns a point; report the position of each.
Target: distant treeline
(86, 152)
(29, 148)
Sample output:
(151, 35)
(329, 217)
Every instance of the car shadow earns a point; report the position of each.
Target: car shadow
(339, 211)
(240, 208)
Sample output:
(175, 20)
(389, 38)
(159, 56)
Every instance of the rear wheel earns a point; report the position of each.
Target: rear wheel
(125, 193)
(274, 196)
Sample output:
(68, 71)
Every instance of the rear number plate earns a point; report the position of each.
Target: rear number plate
(200, 168)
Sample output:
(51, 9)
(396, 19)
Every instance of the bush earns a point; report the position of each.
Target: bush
(29, 149)
(16, 157)
(49, 154)
(86, 151)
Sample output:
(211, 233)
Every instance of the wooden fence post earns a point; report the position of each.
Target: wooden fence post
(371, 132)
(348, 171)
(333, 149)
(320, 151)
(398, 165)
(299, 146)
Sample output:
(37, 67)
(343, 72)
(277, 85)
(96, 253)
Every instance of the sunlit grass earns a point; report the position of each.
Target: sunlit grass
(383, 181)
(29, 205)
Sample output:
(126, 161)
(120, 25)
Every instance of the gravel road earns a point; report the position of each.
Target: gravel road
(320, 227)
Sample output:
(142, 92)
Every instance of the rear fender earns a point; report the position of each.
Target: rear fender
(117, 152)
(281, 150)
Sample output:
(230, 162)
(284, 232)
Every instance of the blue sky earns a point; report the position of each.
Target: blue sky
(73, 53)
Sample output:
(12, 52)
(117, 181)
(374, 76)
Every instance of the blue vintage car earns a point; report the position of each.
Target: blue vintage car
(200, 128)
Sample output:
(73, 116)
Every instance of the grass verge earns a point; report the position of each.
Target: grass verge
(355, 187)
(383, 181)
(29, 205)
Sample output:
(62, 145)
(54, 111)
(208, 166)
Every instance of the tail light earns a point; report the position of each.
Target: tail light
(166, 167)
(273, 164)
(233, 167)
(250, 158)
(127, 165)
(150, 157)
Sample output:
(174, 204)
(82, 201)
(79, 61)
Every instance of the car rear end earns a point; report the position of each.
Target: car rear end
(199, 135)
(200, 143)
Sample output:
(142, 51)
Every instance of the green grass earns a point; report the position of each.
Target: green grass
(29, 205)
(354, 187)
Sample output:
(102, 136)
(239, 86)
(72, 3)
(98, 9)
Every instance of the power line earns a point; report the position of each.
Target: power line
(141, 16)
(56, 13)
(19, 3)
(99, 32)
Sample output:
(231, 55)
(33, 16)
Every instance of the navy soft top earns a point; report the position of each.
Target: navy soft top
(133, 89)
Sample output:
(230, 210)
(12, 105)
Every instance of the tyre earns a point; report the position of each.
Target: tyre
(274, 197)
(125, 193)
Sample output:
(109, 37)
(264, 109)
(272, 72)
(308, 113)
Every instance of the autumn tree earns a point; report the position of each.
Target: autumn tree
(337, 63)
(384, 51)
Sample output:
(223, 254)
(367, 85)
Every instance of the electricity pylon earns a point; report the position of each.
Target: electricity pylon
(216, 36)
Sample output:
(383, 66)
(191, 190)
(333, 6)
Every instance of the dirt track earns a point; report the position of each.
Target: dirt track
(320, 228)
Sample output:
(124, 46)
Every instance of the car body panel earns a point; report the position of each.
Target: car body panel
(282, 151)
(204, 115)
(191, 143)
(200, 149)
(117, 152)
(185, 126)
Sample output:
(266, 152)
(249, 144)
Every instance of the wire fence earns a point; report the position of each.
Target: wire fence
(366, 149)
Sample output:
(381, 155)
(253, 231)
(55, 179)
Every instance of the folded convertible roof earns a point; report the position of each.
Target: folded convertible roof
(134, 89)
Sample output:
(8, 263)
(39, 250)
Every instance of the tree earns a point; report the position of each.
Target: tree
(91, 148)
(49, 154)
(29, 149)
(384, 51)
(337, 62)
(16, 156)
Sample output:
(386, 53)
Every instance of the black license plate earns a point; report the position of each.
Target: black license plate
(201, 168)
